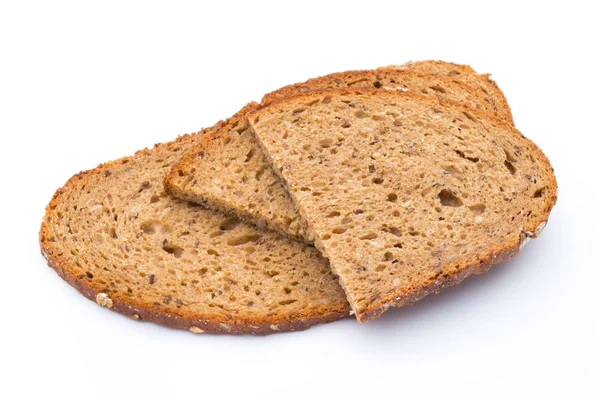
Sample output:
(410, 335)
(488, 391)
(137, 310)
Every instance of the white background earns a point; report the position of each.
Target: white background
(82, 83)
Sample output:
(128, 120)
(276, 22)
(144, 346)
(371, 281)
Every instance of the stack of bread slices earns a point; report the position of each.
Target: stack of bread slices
(343, 195)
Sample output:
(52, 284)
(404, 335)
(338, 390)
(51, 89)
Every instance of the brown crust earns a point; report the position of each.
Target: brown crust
(184, 164)
(394, 72)
(478, 265)
(149, 312)
(503, 108)
(219, 130)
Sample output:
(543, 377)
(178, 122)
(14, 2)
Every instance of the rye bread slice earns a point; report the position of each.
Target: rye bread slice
(228, 172)
(114, 235)
(482, 83)
(405, 194)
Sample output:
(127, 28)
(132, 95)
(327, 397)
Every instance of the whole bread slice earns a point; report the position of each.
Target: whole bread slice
(114, 235)
(482, 83)
(405, 194)
(228, 172)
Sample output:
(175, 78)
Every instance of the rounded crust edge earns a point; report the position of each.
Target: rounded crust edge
(323, 83)
(398, 299)
(504, 109)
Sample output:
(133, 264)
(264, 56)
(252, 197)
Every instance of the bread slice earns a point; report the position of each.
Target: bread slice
(114, 235)
(482, 83)
(228, 172)
(405, 194)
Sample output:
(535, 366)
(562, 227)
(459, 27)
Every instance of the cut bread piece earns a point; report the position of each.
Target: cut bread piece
(482, 83)
(405, 194)
(114, 235)
(228, 171)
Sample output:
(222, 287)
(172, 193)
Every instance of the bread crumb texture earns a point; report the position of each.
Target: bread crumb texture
(228, 171)
(405, 194)
(114, 234)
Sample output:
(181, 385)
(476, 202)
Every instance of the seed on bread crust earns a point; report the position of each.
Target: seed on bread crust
(103, 300)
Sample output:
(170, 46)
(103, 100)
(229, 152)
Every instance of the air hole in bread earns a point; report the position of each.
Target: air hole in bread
(339, 230)
(299, 110)
(175, 250)
(149, 227)
(511, 168)
(249, 155)
(438, 88)
(154, 198)
(377, 84)
(478, 208)
(145, 185)
(393, 230)
(249, 249)
(361, 114)
(327, 142)
(287, 302)
(229, 224)
(216, 234)
(449, 199)
(377, 180)
(539, 193)
(392, 197)
(451, 170)
(243, 239)
(259, 173)
(462, 155)
(333, 214)
(369, 236)
(472, 118)
(212, 252)
(355, 81)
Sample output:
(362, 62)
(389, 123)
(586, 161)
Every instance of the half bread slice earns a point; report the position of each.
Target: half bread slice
(405, 194)
(228, 171)
(114, 235)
